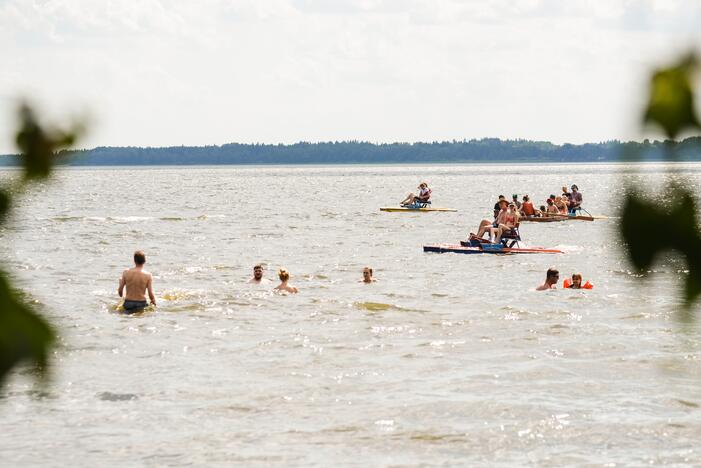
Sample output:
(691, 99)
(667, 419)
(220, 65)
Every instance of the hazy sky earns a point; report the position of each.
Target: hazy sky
(157, 72)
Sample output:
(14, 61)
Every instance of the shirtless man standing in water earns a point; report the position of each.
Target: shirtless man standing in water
(258, 276)
(551, 277)
(137, 281)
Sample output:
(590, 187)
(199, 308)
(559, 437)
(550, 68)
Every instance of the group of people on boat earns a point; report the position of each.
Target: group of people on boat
(568, 203)
(135, 283)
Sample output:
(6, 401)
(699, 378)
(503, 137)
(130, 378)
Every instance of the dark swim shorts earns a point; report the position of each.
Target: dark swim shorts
(134, 306)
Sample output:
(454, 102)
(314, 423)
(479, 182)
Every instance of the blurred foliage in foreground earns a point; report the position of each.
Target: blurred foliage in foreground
(648, 226)
(24, 334)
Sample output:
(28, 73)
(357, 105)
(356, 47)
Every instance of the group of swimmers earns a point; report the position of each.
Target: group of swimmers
(552, 276)
(136, 282)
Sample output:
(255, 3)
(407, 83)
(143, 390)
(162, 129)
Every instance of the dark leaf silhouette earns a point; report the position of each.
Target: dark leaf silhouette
(24, 334)
(650, 228)
(671, 101)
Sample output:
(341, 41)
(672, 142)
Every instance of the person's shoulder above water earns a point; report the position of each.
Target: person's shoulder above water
(257, 277)
(367, 276)
(551, 278)
(284, 276)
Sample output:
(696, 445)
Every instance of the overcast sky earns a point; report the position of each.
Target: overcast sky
(157, 72)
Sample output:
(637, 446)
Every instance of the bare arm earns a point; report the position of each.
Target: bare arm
(122, 283)
(149, 286)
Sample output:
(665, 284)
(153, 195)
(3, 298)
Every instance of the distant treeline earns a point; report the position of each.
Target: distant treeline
(487, 150)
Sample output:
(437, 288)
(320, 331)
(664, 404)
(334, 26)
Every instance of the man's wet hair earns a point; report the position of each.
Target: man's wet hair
(258, 267)
(139, 257)
(552, 272)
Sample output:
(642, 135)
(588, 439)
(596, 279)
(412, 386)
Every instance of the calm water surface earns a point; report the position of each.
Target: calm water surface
(446, 360)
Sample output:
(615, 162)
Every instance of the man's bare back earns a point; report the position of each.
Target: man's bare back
(137, 282)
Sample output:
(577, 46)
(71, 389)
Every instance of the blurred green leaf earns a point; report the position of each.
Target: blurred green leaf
(24, 335)
(38, 145)
(671, 101)
(4, 204)
(650, 228)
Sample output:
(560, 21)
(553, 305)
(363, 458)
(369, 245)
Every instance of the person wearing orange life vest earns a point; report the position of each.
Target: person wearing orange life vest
(424, 195)
(576, 283)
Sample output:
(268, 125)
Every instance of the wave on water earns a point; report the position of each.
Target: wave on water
(381, 306)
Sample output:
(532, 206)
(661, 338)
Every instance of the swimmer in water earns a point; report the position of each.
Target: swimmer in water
(576, 281)
(137, 281)
(367, 276)
(284, 276)
(258, 276)
(551, 278)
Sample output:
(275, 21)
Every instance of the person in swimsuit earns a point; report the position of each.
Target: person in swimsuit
(510, 219)
(136, 281)
(492, 227)
(284, 276)
(424, 195)
(258, 276)
(527, 208)
(367, 276)
(551, 278)
(551, 209)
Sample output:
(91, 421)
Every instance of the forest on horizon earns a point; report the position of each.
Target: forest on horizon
(486, 150)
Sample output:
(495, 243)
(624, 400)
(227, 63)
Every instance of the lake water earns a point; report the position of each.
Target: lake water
(445, 360)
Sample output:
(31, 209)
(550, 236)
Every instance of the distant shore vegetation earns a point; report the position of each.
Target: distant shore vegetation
(486, 150)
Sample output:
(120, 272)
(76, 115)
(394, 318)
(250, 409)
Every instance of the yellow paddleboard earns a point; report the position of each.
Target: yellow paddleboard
(409, 210)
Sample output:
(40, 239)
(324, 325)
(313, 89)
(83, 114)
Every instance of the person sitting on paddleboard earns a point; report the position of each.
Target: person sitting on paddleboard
(551, 209)
(490, 227)
(551, 278)
(424, 195)
(575, 199)
(566, 194)
(497, 205)
(527, 208)
(510, 221)
(515, 201)
(561, 205)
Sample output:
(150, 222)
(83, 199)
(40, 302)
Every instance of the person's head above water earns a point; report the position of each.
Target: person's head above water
(367, 275)
(283, 274)
(576, 281)
(139, 258)
(258, 272)
(552, 275)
